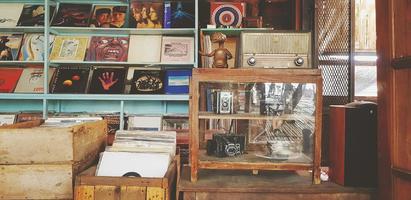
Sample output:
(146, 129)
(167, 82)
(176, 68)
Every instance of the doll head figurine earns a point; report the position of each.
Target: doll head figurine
(221, 54)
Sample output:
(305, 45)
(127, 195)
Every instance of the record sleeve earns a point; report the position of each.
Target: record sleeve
(10, 14)
(33, 15)
(109, 16)
(112, 49)
(10, 46)
(147, 81)
(72, 15)
(70, 80)
(177, 50)
(144, 48)
(69, 48)
(182, 14)
(107, 80)
(9, 78)
(32, 80)
(146, 14)
(32, 48)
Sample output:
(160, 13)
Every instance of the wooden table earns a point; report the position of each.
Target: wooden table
(278, 185)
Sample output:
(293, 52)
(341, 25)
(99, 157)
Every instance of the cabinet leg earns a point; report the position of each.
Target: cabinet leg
(316, 175)
(194, 175)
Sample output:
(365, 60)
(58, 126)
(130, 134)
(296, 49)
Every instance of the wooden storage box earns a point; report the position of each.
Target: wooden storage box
(88, 186)
(41, 162)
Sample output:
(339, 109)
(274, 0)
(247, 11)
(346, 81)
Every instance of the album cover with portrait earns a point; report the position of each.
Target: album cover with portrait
(32, 48)
(110, 49)
(177, 50)
(71, 80)
(107, 80)
(179, 14)
(147, 81)
(33, 15)
(72, 15)
(69, 48)
(32, 80)
(10, 46)
(109, 16)
(9, 78)
(146, 14)
(10, 14)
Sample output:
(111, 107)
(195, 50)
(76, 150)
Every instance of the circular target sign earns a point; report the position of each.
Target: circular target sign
(226, 15)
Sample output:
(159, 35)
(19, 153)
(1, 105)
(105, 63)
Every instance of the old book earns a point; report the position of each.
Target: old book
(25, 116)
(10, 46)
(7, 119)
(146, 14)
(69, 48)
(10, 13)
(147, 81)
(9, 78)
(33, 15)
(70, 80)
(144, 48)
(178, 123)
(72, 15)
(32, 80)
(32, 48)
(177, 50)
(111, 49)
(109, 16)
(107, 80)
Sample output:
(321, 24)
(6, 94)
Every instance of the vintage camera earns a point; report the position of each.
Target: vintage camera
(226, 145)
(224, 102)
(276, 49)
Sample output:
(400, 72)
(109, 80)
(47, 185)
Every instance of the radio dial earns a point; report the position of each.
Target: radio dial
(251, 61)
(299, 61)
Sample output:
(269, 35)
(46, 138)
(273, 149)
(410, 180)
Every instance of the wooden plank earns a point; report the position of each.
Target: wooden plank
(121, 181)
(270, 196)
(402, 188)
(36, 181)
(132, 193)
(337, 143)
(155, 193)
(83, 134)
(194, 139)
(189, 195)
(28, 124)
(84, 192)
(103, 192)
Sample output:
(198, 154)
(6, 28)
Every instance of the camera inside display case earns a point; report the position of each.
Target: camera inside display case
(265, 119)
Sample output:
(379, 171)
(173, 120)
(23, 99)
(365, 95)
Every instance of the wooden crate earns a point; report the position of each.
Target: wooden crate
(41, 163)
(31, 144)
(90, 187)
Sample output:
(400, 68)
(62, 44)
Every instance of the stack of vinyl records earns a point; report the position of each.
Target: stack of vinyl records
(138, 154)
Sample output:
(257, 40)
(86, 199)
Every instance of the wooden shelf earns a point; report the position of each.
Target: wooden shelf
(253, 116)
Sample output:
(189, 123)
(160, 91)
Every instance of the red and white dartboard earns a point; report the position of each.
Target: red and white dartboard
(227, 14)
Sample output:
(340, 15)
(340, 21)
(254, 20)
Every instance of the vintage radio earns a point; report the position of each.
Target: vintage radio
(276, 49)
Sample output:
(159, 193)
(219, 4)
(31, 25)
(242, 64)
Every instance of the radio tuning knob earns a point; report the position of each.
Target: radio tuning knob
(299, 61)
(251, 61)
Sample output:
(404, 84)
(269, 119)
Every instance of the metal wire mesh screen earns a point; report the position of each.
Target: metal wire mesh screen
(334, 45)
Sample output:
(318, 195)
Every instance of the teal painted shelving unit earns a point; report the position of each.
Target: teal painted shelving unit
(122, 103)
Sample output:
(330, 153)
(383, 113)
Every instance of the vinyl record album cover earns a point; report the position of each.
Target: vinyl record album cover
(70, 80)
(146, 14)
(9, 46)
(9, 78)
(107, 80)
(147, 82)
(110, 49)
(72, 15)
(144, 48)
(177, 50)
(69, 48)
(181, 14)
(227, 14)
(10, 13)
(33, 15)
(25, 116)
(7, 119)
(32, 48)
(106, 16)
(32, 80)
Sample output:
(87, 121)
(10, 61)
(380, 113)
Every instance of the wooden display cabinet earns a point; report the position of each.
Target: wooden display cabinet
(255, 119)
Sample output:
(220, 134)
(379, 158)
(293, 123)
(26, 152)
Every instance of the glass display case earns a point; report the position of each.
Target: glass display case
(256, 119)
